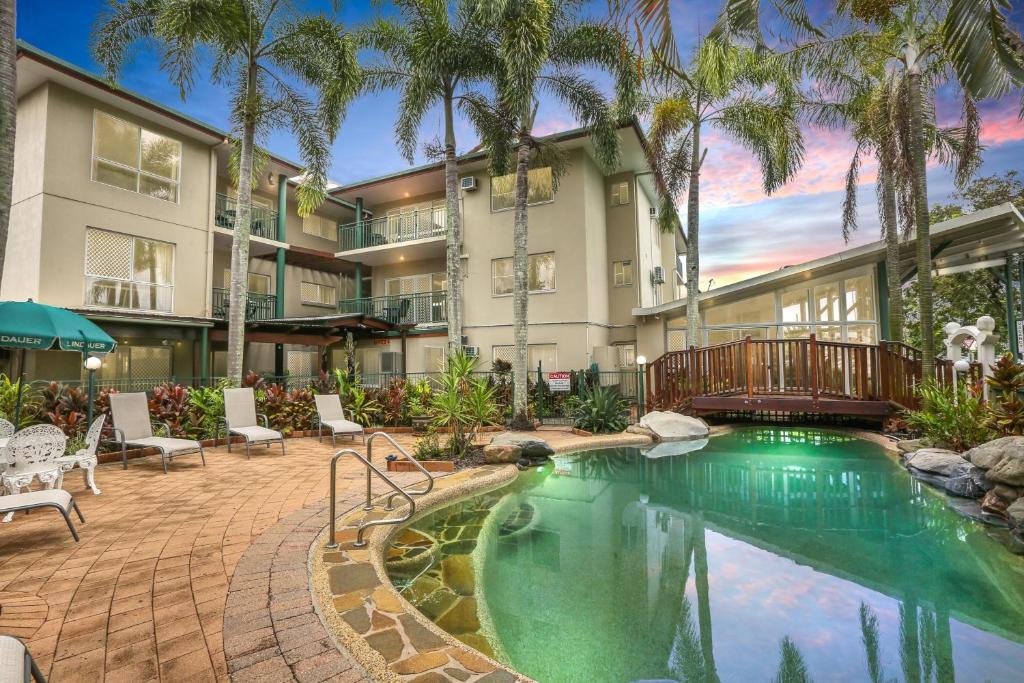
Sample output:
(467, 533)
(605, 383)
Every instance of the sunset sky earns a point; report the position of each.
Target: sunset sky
(743, 232)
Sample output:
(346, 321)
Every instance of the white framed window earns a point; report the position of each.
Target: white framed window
(545, 354)
(540, 189)
(124, 271)
(320, 226)
(130, 157)
(626, 354)
(416, 284)
(540, 274)
(622, 273)
(258, 284)
(620, 194)
(320, 295)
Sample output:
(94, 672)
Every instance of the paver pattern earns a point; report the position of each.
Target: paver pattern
(142, 596)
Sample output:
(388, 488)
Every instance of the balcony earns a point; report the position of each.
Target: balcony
(401, 309)
(263, 223)
(394, 229)
(258, 306)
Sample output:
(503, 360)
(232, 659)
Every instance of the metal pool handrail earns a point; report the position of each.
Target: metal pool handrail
(363, 526)
(414, 461)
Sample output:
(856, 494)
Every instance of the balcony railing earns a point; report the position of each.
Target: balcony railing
(404, 227)
(262, 224)
(258, 306)
(401, 309)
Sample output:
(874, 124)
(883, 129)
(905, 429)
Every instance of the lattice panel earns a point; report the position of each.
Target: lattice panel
(302, 363)
(505, 353)
(676, 340)
(108, 254)
(150, 361)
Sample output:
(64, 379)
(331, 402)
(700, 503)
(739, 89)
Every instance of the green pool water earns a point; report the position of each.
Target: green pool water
(766, 551)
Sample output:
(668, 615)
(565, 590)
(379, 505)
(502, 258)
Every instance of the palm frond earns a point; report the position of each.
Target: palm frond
(985, 53)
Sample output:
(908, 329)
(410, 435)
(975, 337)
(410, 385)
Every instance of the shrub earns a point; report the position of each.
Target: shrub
(418, 396)
(362, 407)
(463, 404)
(170, 404)
(428, 447)
(206, 407)
(9, 399)
(393, 409)
(951, 418)
(64, 407)
(602, 410)
(1006, 410)
(288, 411)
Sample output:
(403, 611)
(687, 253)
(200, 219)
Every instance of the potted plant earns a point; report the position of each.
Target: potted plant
(428, 452)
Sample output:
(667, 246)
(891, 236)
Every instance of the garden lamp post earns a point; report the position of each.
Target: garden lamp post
(92, 364)
(641, 364)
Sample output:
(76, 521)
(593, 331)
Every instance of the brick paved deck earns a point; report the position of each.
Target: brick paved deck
(142, 596)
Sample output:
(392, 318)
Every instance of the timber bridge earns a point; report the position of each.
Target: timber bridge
(792, 376)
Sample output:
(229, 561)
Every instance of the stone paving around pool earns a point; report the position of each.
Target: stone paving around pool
(205, 574)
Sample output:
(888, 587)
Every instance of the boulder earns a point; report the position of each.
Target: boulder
(935, 460)
(909, 445)
(1009, 470)
(530, 447)
(1015, 512)
(994, 505)
(1007, 493)
(501, 453)
(643, 431)
(674, 427)
(972, 510)
(988, 455)
(964, 480)
(671, 448)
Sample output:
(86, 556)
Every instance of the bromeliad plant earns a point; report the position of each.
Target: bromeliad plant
(603, 410)
(1006, 409)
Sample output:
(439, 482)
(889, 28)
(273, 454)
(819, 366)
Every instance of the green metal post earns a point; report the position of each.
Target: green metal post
(882, 279)
(540, 394)
(1011, 306)
(92, 396)
(282, 228)
(358, 241)
(640, 391)
(204, 354)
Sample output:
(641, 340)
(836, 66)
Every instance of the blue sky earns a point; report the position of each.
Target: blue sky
(744, 233)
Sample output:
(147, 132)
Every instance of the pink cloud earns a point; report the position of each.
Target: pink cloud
(1001, 125)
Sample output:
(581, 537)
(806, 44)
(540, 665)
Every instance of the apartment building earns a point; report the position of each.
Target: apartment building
(123, 210)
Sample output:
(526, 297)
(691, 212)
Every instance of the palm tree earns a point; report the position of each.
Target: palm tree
(8, 118)
(752, 97)
(433, 56)
(268, 55)
(542, 47)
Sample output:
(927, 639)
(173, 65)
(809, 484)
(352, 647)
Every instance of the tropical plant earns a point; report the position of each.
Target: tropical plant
(346, 381)
(171, 405)
(206, 408)
(288, 410)
(269, 56)
(543, 47)
(435, 55)
(752, 97)
(1006, 410)
(603, 410)
(9, 400)
(418, 398)
(64, 407)
(462, 404)
(361, 407)
(8, 117)
(392, 400)
(428, 447)
(792, 668)
(948, 417)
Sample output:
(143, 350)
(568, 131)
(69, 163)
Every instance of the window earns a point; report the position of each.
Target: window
(540, 269)
(545, 354)
(826, 301)
(137, 361)
(540, 188)
(626, 355)
(416, 284)
(320, 226)
(861, 334)
(320, 295)
(130, 157)
(258, 284)
(758, 309)
(860, 298)
(620, 194)
(622, 273)
(123, 271)
(795, 308)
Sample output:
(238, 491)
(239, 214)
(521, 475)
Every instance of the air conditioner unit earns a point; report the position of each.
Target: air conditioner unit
(653, 212)
(658, 275)
(468, 183)
(471, 351)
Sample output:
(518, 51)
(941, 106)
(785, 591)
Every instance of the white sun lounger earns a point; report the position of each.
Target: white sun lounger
(16, 663)
(240, 418)
(47, 498)
(331, 415)
(132, 427)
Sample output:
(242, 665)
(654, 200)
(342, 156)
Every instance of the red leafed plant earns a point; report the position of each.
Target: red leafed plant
(288, 411)
(170, 404)
(65, 407)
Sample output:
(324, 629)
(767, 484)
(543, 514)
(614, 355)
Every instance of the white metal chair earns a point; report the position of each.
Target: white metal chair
(6, 431)
(86, 458)
(48, 498)
(16, 663)
(331, 415)
(240, 418)
(33, 453)
(132, 427)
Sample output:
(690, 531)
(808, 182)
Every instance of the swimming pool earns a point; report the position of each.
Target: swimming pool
(768, 551)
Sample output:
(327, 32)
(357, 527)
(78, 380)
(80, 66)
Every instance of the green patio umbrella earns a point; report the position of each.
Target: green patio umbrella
(28, 325)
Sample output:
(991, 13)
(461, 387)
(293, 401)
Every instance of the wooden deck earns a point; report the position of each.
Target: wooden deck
(791, 376)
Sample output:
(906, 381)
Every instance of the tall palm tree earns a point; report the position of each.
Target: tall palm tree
(750, 96)
(269, 55)
(433, 55)
(542, 47)
(8, 117)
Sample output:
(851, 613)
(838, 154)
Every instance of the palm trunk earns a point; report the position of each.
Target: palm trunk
(8, 119)
(924, 241)
(454, 263)
(693, 332)
(519, 290)
(700, 575)
(892, 253)
(237, 297)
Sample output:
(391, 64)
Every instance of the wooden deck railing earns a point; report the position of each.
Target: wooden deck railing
(888, 372)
